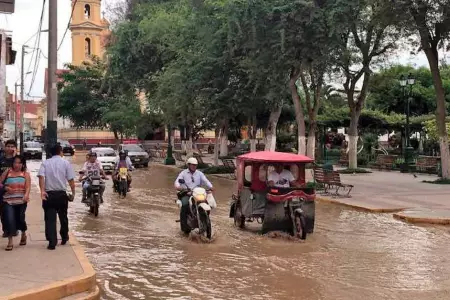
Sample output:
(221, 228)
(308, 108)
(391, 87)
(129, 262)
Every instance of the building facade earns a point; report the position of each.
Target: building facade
(89, 29)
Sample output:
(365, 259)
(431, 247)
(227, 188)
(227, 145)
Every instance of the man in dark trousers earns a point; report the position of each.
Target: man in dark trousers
(53, 177)
(6, 161)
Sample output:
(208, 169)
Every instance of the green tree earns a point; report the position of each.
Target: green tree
(371, 33)
(430, 21)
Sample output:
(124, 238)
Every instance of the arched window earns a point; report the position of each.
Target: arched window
(87, 47)
(87, 11)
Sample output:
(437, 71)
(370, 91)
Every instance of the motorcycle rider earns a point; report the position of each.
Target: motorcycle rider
(92, 167)
(123, 162)
(192, 178)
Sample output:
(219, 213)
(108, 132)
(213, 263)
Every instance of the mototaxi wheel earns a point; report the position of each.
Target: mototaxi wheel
(239, 219)
(300, 226)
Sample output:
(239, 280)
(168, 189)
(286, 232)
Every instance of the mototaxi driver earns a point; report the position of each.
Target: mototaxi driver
(192, 179)
(92, 167)
(123, 162)
(282, 178)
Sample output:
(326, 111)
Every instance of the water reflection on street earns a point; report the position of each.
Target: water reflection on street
(138, 252)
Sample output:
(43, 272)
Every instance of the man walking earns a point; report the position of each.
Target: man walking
(6, 161)
(53, 177)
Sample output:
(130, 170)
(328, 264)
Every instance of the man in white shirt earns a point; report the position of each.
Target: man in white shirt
(54, 175)
(92, 167)
(281, 177)
(192, 179)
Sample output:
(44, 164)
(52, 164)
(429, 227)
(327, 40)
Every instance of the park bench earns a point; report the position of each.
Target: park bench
(335, 182)
(200, 159)
(331, 180)
(384, 161)
(322, 178)
(179, 157)
(229, 165)
(428, 164)
(343, 160)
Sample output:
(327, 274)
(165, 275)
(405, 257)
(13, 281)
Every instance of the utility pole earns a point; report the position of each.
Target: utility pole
(3, 48)
(16, 115)
(22, 108)
(52, 95)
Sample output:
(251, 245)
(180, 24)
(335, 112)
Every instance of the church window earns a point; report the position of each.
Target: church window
(87, 11)
(87, 47)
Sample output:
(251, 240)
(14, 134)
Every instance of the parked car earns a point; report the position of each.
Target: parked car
(138, 156)
(107, 157)
(32, 150)
(67, 147)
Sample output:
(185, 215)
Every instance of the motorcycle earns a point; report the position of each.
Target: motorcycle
(121, 183)
(93, 193)
(200, 204)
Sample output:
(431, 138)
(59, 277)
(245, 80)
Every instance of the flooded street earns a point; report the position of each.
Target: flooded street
(138, 252)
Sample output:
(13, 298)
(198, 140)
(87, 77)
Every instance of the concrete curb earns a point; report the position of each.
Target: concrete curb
(86, 282)
(359, 207)
(422, 220)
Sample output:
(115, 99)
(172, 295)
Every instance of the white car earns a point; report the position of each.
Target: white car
(107, 157)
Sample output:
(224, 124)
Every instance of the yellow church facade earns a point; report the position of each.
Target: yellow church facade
(89, 30)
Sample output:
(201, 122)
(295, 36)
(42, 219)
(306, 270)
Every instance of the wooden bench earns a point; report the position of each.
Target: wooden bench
(428, 164)
(384, 161)
(229, 164)
(200, 160)
(322, 179)
(179, 157)
(335, 181)
(331, 180)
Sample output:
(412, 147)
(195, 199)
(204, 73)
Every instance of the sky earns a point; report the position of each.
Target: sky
(24, 24)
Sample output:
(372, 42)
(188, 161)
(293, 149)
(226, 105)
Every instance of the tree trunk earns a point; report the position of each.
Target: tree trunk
(253, 131)
(189, 150)
(440, 111)
(224, 139)
(353, 139)
(299, 115)
(216, 146)
(311, 148)
(116, 138)
(271, 130)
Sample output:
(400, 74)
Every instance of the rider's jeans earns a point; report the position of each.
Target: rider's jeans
(184, 213)
(86, 186)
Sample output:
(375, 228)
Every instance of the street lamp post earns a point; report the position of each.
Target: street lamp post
(408, 153)
(169, 157)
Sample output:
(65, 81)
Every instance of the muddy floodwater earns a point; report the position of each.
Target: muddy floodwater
(138, 252)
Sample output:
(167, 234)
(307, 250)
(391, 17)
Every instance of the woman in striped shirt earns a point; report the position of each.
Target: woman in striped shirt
(17, 194)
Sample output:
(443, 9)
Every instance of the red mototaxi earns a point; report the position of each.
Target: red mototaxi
(284, 209)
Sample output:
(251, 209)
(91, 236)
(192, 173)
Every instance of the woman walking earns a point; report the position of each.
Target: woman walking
(17, 194)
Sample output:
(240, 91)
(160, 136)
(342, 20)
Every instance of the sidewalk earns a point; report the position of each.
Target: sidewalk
(33, 272)
(404, 195)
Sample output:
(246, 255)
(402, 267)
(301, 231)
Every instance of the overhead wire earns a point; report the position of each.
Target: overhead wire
(38, 50)
(68, 24)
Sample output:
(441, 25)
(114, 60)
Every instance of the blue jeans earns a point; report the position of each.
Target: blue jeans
(14, 218)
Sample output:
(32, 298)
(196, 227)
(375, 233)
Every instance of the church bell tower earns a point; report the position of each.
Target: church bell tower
(89, 30)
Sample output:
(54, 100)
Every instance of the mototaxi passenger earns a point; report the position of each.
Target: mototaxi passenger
(92, 167)
(282, 178)
(123, 162)
(192, 178)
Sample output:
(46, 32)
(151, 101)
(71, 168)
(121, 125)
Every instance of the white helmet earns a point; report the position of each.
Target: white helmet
(192, 161)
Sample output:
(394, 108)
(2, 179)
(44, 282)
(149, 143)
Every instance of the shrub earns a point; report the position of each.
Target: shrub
(354, 171)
